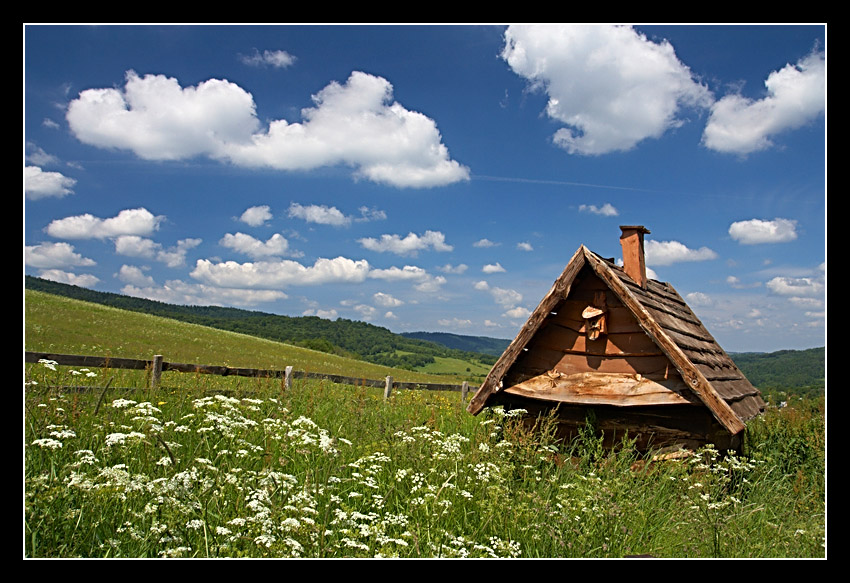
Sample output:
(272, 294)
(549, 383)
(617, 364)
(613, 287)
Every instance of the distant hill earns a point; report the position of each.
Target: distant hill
(350, 338)
(482, 344)
(784, 369)
(802, 370)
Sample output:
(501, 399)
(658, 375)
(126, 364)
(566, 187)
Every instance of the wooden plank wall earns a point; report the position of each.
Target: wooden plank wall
(562, 345)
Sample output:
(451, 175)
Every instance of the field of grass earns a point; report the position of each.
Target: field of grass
(66, 326)
(443, 365)
(238, 467)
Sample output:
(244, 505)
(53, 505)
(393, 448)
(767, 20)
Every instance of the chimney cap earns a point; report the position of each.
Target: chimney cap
(639, 228)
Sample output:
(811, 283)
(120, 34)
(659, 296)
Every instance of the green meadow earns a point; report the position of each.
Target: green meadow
(208, 467)
(66, 326)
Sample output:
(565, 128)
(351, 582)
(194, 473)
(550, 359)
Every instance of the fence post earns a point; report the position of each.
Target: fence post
(388, 387)
(464, 389)
(287, 378)
(156, 370)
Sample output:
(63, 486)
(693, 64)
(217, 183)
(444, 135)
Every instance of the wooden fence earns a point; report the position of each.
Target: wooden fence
(157, 366)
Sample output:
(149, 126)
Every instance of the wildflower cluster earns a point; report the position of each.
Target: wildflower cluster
(185, 475)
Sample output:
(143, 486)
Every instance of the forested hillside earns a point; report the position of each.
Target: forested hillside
(480, 344)
(344, 337)
(784, 369)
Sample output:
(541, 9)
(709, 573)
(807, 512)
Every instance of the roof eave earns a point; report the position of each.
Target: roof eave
(560, 289)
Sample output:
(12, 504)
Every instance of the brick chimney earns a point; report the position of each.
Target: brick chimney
(634, 263)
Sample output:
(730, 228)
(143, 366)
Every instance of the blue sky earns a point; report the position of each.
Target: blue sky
(433, 178)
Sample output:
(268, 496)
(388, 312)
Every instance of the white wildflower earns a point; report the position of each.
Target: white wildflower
(175, 552)
(47, 443)
(51, 364)
(63, 434)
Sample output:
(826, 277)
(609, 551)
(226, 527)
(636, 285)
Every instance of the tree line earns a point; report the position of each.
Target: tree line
(350, 338)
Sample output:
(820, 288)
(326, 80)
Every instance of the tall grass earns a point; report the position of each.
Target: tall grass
(227, 467)
(62, 325)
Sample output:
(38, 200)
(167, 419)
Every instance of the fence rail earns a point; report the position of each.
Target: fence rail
(157, 366)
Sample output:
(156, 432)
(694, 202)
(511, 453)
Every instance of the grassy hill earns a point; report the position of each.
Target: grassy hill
(351, 338)
(63, 325)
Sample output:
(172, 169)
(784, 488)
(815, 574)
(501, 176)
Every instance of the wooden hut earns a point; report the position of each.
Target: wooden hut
(608, 344)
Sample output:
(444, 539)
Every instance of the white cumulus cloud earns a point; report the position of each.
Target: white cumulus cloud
(366, 312)
(431, 284)
(157, 119)
(278, 59)
(518, 313)
(409, 245)
(699, 299)
(136, 246)
(493, 268)
(669, 252)
(276, 245)
(796, 95)
(38, 157)
(454, 269)
(736, 283)
(176, 256)
(256, 215)
(54, 255)
(135, 276)
(354, 124)
(386, 300)
(422, 280)
(796, 286)
(484, 243)
(138, 221)
(506, 297)
(757, 231)
(180, 292)
(81, 280)
(279, 274)
(406, 273)
(606, 210)
(610, 85)
(40, 184)
(320, 214)
(371, 214)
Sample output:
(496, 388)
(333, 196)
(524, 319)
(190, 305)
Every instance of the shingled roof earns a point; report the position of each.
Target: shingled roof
(706, 369)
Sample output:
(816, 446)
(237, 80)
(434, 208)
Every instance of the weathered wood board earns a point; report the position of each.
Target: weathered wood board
(622, 390)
